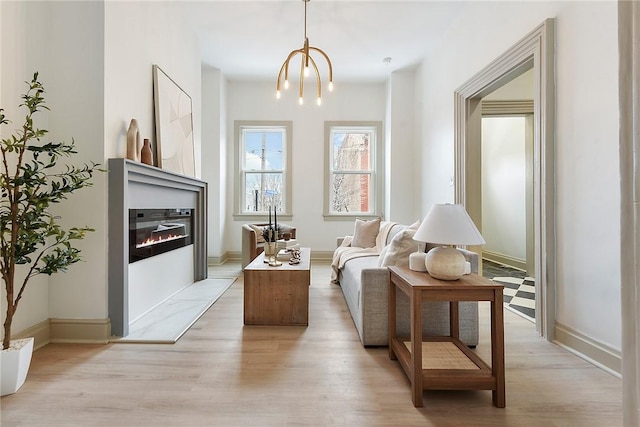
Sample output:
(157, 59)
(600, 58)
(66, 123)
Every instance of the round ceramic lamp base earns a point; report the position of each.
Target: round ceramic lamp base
(445, 263)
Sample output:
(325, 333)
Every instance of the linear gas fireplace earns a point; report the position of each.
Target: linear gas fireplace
(156, 231)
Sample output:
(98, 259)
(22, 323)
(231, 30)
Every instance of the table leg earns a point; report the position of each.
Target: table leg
(497, 348)
(416, 346)
(392, 318)
(454, 320)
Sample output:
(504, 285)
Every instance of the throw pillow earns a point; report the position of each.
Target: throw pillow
(365, 233)
(401, 246)
(258, 231)
(383, 253)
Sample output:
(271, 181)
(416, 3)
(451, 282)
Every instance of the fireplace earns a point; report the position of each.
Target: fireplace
(157, 238)
(156, 231)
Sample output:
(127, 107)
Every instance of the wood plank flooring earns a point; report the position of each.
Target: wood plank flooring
(222, 373)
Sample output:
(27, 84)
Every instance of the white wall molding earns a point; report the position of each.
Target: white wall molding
(629, 99)
(589, 349)
(85, 331)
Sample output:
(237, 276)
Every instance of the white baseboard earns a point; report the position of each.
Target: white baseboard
(80, 331)
(40, 332)
(233, 256)
(88, 331)
(590, 350)
(321, 255)
(503, 259)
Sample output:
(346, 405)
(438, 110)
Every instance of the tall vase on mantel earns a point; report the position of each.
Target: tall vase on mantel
(146, 155)
(133, 141)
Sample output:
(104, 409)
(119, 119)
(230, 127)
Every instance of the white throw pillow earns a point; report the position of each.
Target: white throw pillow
(258, 231)
(383, 253)
(365, 233)
(401, 246)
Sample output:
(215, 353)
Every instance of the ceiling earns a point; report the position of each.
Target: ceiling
(251, 39)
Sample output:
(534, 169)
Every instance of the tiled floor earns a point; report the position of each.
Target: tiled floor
(519, 290)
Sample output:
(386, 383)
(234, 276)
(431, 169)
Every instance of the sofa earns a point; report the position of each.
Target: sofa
(253, 242)
(363, 276)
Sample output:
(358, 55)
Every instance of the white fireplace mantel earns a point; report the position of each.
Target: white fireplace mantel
(134, 185)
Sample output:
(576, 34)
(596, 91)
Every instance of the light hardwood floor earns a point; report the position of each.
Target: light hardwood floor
(221, 373)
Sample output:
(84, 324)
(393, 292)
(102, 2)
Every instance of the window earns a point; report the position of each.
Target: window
(263, 159)
(354, 169)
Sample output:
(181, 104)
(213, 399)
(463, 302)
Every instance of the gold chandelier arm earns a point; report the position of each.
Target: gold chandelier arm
(302, 78)
(285, 67)
(321, 52)
(315, 68)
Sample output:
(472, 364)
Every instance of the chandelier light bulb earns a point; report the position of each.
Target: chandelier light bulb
(319, 101)
(286, 84)
(277, 94)
(306, 71)
(300, 101)
(330, 86)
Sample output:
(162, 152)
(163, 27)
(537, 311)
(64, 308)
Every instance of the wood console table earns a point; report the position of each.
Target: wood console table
(445, 363)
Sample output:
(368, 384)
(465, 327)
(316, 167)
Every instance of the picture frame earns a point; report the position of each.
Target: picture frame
(173, 111)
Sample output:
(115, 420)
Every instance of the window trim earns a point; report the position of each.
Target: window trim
(377, 165)
(238, 190)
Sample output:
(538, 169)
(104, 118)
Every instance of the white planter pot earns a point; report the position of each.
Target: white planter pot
(14, 365)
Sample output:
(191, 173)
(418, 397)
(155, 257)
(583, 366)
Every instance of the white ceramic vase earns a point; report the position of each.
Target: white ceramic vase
(133, 141)
(14, 365)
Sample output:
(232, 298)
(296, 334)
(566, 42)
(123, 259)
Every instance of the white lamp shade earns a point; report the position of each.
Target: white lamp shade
(448, 224)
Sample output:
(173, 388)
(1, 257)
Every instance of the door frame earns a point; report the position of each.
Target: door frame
(629, 94)
(535, 50)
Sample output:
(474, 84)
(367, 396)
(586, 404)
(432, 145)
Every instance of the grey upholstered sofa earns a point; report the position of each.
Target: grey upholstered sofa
(365, 287)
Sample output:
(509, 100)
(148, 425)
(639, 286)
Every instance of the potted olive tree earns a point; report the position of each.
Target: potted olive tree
(32, 241)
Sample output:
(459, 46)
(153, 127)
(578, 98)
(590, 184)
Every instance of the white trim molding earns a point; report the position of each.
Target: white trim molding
(592, 351)
(629, 98)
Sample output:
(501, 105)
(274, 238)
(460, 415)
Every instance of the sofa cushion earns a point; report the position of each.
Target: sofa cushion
(365, 233)
(402, 245)
(258, 231)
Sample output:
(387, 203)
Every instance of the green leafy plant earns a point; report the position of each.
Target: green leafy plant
(30, 182)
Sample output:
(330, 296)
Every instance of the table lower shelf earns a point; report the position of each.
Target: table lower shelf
(447, 364)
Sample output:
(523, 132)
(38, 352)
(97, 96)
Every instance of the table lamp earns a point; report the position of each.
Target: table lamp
(447, 225)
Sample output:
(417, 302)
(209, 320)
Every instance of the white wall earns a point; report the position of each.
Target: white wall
(17, 66)
(95, 60)
(214, 151)
(43, 36)
(588, 194)
(401, 186)
(503, 186)
(256, 101)
(137, 36)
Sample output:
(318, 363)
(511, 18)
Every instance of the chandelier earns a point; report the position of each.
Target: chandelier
(306, 61)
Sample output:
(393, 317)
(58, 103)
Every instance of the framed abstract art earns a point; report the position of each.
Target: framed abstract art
(174, 125)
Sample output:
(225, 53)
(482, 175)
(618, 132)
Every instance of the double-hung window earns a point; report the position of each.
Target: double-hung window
(353, 169)
(263, 166)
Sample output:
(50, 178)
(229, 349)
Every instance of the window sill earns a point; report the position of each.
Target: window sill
(349, 217)
(261, 217)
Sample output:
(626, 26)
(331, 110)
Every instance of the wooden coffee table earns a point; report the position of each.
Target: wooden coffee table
(277, 295)
(446, 363)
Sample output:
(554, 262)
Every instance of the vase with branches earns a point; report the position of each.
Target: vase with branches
(31, 181)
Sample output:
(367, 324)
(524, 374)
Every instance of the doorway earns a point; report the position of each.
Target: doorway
(536, 52)
(506, 175)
